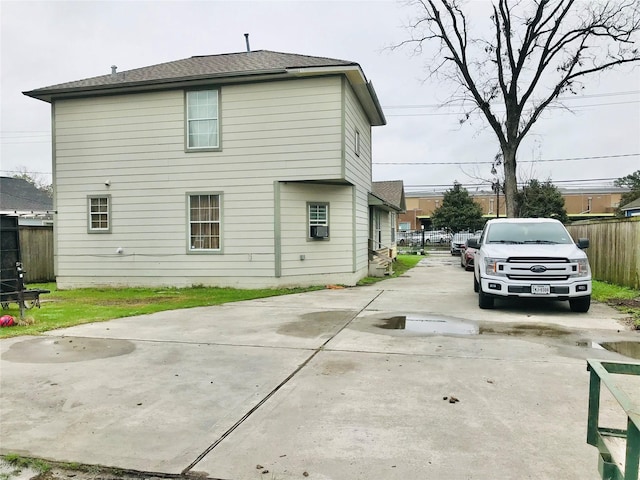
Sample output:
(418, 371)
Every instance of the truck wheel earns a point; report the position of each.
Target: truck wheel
(580, 304)
(484, 300)
(476, 285)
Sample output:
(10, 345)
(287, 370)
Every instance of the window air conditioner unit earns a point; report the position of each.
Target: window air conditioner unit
(319, 231)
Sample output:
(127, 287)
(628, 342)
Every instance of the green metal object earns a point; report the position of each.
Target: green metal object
(604, 373)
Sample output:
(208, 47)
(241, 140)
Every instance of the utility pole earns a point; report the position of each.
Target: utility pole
(495, 186)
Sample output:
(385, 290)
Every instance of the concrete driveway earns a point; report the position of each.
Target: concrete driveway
(333, 384)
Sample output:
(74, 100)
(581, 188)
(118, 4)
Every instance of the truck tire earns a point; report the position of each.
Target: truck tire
(476, 285)
(580, 304)
(484, 300)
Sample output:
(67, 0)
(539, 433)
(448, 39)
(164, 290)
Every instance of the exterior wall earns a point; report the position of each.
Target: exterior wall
(587, 202)
(270, 132)
(358, 171)
(303, 257)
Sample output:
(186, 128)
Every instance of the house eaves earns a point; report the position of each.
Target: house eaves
(55, 93)
(376, 201)
(363, 88)
(633, 205)
(391, 192)
(242, 67)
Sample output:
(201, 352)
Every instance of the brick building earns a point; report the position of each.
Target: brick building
(579, 203)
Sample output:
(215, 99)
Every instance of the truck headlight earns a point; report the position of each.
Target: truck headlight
(583, 267)
(491, 266)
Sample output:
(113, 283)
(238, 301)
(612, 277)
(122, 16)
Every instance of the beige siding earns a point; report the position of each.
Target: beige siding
(302, 256)
(272, 131)
(358, 170)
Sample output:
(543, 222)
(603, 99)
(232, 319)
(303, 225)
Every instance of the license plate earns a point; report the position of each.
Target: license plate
(540, 289)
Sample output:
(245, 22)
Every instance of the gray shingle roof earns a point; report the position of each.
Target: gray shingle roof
(631, 205)
(18, 195)
(392, 192)
(230, 64)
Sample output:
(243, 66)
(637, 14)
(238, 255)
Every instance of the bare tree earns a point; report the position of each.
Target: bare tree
(536, 50)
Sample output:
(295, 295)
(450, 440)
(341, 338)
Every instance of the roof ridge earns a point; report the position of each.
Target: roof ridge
(273, 51)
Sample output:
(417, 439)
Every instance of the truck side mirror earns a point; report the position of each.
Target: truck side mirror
(583, 243)
(473, 243)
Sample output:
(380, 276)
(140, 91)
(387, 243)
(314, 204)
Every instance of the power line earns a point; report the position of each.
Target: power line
(519, 161)
(579, 97)
(574, 183)
(576, 107)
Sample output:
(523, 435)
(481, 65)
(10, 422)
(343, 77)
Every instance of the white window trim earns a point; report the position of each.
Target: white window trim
(219, 221)
(188, 147)
(90, 228)
(315, 223)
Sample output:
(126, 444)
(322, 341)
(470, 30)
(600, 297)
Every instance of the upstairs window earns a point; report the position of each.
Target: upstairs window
(318, 220)
(203, 120)
(204, 222)
(99, 208)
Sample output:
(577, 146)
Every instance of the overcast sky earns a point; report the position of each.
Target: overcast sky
(45, 43)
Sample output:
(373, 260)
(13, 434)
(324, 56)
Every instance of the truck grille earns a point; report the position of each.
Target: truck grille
(538, 269)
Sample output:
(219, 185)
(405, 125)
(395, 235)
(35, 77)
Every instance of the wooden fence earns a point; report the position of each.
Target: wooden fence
(36, 251)
(614, 251)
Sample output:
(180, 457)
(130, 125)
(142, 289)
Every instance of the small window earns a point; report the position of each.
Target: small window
(318, 220)
(99, 208)
(357, 143)
(204, 222)
(202, 120)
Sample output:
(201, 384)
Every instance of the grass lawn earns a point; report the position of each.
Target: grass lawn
(65, 308)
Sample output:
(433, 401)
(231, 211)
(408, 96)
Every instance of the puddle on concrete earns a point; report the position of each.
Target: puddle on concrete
(628, 348)
(525, 329)
(66, 349)
(432, 325)
(312, 325)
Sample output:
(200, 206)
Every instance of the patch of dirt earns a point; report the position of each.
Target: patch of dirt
(630, 306)
(626, 302)
(129, 302)
(58, 472)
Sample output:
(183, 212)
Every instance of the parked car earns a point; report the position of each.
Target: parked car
(416, 237)
(468, 255)
(458, 241)
(437, 236)
(531, 257)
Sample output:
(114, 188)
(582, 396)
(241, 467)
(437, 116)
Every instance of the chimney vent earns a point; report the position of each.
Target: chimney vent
(246, 38)
(114, 68)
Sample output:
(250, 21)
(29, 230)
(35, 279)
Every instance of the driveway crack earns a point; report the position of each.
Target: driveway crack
(275, 390)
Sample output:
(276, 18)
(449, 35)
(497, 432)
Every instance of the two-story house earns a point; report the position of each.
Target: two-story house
(247, 170)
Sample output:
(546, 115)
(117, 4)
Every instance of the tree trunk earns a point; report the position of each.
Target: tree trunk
(510, 182)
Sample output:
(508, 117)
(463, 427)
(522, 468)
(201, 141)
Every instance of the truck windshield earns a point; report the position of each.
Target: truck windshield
(540, 233)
